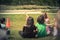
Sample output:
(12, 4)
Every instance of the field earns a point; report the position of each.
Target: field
(49, 9)
(19, 20)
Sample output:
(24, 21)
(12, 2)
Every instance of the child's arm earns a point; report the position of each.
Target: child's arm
(49, 24)
(35, 29)
(23, 28)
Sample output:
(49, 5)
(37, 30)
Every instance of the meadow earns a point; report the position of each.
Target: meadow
(19, 20)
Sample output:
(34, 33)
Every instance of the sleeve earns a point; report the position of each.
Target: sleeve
(24, 28)
(35, 29)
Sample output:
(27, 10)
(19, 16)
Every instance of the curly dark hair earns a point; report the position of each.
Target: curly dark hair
(30, 21)
(40, 19)
(2, 20)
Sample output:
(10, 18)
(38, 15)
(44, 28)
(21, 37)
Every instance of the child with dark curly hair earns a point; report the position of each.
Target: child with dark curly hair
(41, 26)
(2, 23)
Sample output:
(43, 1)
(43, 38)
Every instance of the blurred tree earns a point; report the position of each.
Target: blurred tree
(31, 2)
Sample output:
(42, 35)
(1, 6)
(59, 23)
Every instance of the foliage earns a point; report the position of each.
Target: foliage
(31, 2)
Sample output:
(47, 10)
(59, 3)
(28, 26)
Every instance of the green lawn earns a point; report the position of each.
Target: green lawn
(17, 22)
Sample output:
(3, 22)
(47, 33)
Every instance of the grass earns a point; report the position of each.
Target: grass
(17, 22)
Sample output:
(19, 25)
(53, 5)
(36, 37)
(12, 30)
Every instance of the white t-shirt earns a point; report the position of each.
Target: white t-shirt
(3, 25)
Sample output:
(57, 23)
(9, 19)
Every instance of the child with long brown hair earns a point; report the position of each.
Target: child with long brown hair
(29, 30)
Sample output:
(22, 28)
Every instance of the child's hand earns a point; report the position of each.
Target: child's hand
(35, 30)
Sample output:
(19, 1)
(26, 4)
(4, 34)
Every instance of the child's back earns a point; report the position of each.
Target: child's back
(29, 31)
(41, 30)
(41, 27)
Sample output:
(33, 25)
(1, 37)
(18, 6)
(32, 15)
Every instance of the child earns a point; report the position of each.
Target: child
(3, 31)
(48, 25)
(2, 23)
(29, 30)
(41, 26)
(58, 25)
(55, 28)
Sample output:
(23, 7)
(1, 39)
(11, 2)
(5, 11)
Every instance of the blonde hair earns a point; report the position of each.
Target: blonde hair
(58, 19)
(58, 16)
